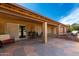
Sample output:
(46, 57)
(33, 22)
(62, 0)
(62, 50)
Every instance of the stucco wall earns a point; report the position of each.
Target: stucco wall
(11, 26)
(30, 26)
(13, 30)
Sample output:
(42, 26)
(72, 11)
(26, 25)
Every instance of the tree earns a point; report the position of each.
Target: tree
(74, 26)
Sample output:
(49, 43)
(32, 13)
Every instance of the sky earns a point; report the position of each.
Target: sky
(66, 13)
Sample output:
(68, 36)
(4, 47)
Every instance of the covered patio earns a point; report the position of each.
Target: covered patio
(33, 34)
(17, 23)
(12, 25)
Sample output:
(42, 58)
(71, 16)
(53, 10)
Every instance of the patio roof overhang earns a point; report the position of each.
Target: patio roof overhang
(16, 10)
(17, 16)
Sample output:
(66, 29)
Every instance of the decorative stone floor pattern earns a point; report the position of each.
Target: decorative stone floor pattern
(54, 47)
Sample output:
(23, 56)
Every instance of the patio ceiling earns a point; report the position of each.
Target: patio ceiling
(16, 10)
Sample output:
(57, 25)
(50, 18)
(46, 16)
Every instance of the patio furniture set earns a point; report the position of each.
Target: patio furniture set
(6, 39)
(69, 36)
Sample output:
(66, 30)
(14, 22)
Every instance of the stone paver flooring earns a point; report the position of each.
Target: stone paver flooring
(54, 47)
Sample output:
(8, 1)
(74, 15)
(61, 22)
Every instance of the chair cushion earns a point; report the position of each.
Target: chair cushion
(8, 41)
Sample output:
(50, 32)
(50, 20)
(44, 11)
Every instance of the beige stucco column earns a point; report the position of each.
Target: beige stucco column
(54, 30)
(45, 32)
(59, 29)
(65, 30)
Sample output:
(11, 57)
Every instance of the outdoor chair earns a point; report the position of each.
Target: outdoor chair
(31, 35)
(72, 37)
(6, 39)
